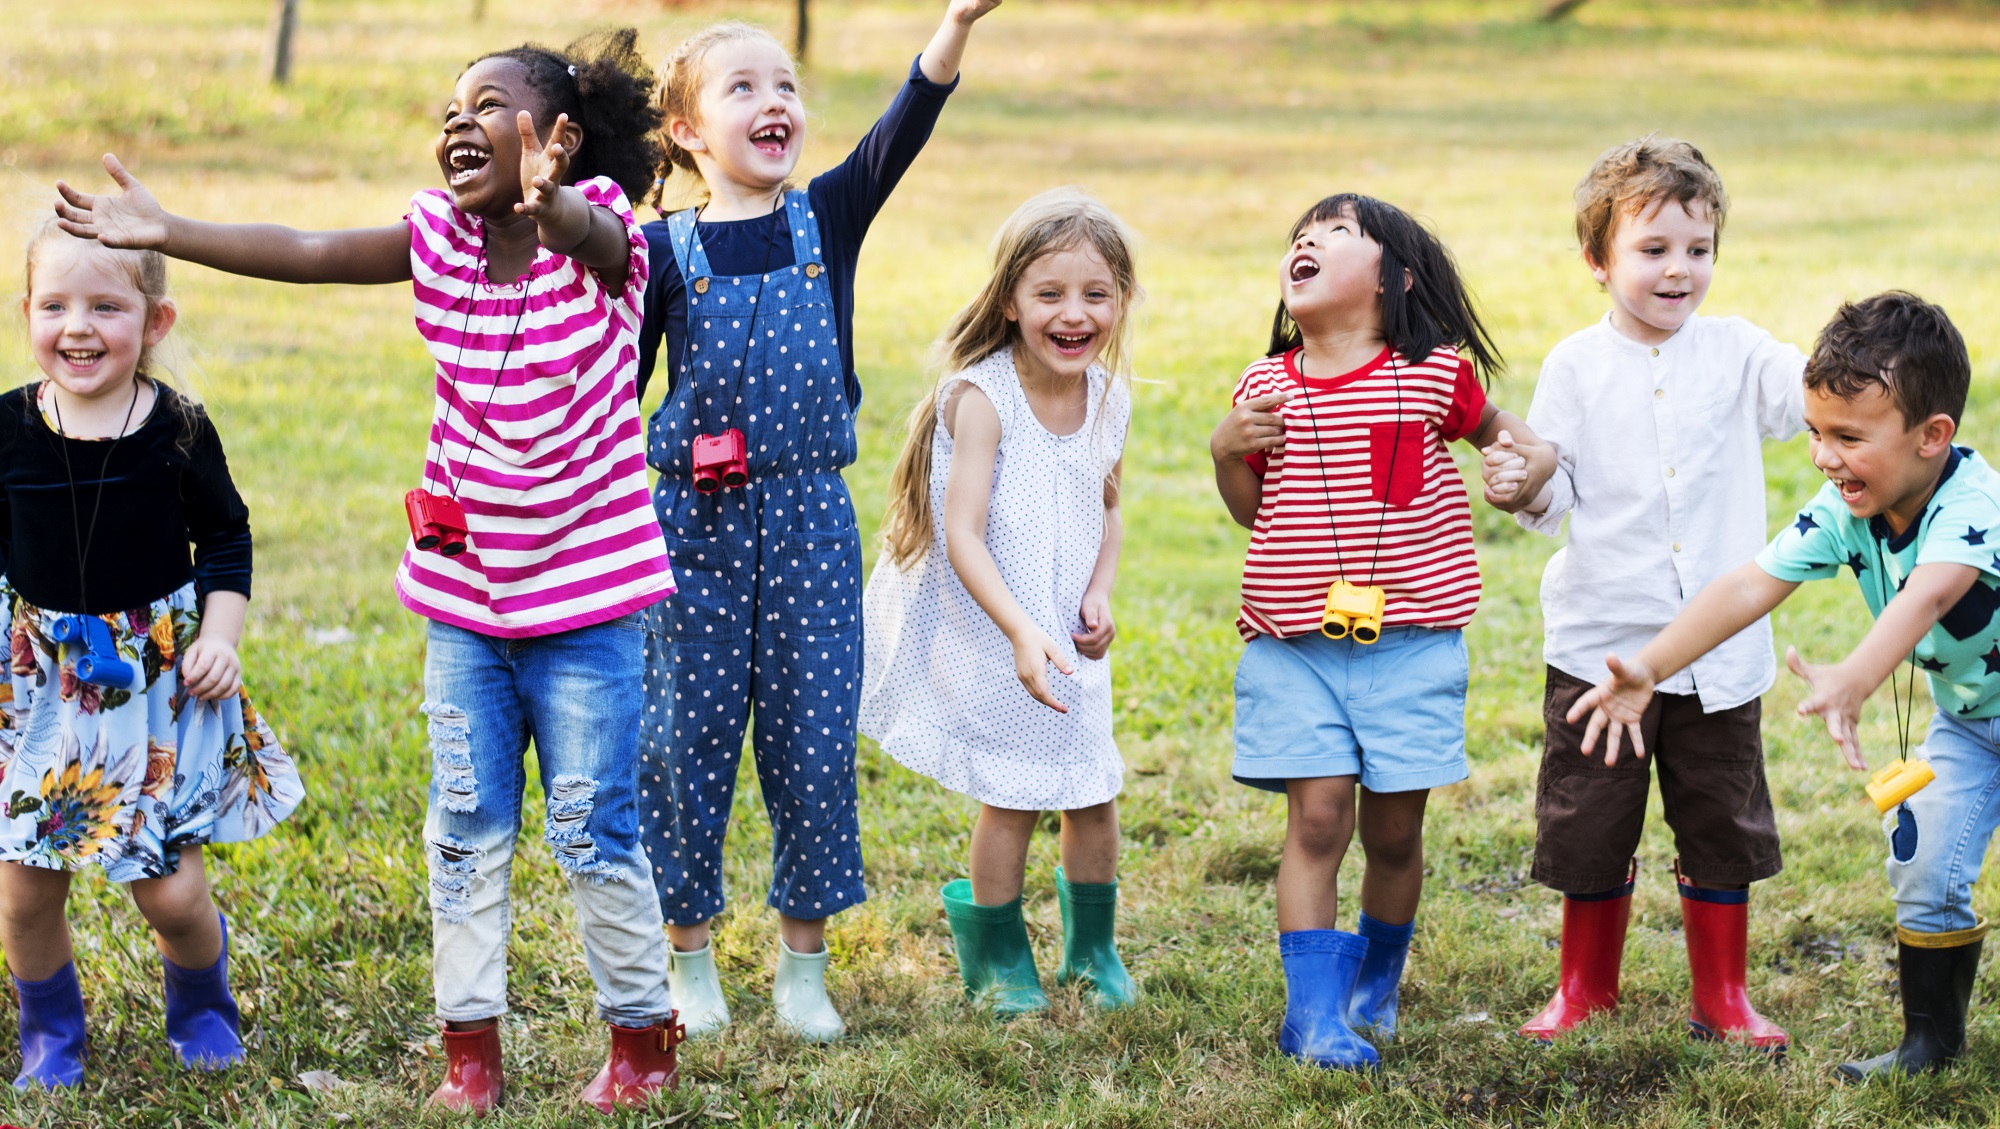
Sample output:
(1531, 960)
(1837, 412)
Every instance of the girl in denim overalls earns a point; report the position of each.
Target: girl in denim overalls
(752, 296)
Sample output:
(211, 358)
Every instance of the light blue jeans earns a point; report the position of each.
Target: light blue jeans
(1956, 815)
(576, 696)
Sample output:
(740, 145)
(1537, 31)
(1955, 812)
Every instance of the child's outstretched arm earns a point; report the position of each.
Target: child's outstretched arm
(1733, 602)
(941, 56)
(1501, 436)
(1252, 427)
(133, 218)
(565, 221)
(1095, 642)
(975, 447)
(1838, 689)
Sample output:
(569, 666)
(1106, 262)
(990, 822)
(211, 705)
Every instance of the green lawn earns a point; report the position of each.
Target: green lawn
(1861, 145)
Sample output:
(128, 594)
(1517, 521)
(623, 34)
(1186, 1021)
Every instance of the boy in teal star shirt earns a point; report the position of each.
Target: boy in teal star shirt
(1917, 520)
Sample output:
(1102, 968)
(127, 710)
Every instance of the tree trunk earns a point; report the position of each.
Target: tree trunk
(1560, 8)
(478, 10)
(805, 29)
(283, 24)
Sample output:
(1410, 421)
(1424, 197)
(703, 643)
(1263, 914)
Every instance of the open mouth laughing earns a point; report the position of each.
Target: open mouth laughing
(1072, 344)
(81, 358)
(772, 139)
(466, 161)
(1303, 267)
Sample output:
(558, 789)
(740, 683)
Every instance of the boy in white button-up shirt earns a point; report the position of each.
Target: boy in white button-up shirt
(1660, 417)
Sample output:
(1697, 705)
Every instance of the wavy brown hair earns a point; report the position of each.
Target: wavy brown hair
(1058, 220)
(680, 90)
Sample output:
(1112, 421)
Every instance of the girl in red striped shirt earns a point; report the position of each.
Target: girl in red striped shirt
(1359, 577)
(534, 543)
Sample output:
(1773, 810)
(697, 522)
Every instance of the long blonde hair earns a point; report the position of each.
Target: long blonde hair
(680, 90)
(1058, 220)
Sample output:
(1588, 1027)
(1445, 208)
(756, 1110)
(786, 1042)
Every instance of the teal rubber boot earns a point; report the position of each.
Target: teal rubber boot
(1090, 943)
(994, 957)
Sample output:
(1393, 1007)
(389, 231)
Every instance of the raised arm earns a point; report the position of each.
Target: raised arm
(565, 221)
(941, 57)
(133, 218)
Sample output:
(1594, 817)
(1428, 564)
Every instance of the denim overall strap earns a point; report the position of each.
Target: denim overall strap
(688, 252)
(805, 230)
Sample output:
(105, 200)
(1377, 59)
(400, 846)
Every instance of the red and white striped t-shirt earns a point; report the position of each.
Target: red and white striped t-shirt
(552, 473)
(1364, 490)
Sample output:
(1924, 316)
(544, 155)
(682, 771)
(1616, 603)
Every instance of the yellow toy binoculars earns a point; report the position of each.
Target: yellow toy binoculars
(1353, 612)
(1898, 782)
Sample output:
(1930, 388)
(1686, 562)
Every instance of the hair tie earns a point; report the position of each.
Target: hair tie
(572, 70)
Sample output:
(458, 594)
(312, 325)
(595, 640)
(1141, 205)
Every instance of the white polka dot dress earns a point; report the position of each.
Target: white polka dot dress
(939, 690)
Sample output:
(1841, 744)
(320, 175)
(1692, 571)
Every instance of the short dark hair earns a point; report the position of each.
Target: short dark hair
(1902, 343)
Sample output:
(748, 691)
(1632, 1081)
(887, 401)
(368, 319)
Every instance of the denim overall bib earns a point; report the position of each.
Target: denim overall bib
(767, 616)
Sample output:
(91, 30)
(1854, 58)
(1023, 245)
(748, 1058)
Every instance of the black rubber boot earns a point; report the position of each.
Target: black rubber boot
(1937, 989)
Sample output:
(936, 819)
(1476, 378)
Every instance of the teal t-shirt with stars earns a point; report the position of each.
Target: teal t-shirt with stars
(1960, 525)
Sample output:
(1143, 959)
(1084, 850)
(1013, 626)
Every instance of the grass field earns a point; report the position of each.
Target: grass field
(1861, 145)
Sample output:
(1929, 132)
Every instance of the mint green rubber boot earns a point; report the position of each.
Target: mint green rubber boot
(1090, 943)
(994, 957)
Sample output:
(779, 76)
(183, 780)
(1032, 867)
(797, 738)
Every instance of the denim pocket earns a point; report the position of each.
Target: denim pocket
(821, 581)
(1396, 459)
(705, 602)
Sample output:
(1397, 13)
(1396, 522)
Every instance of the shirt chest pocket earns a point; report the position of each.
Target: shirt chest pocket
(1397, 457)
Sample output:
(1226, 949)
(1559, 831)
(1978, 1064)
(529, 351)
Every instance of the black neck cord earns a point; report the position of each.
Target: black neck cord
(85, 540)
(749, 338)
(457, 368)
(1903, 720)
(1389, 476)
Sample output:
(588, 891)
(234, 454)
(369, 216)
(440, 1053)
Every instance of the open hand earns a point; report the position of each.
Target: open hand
(967, 11)
(1503, 469)
(1836, 699)
(210, 669)
(130, 219)
(542, 167)
(1250, 427)
(1616, 704)
(1033, 652)
(1095, 642)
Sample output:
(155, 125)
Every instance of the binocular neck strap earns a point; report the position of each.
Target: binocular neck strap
(85, 539)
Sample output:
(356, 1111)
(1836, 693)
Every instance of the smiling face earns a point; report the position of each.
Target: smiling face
(1332, 274)
(1066, 308)
(88, 324)
(479, 149)
(749, 126)
(1662, 260)
(1881, 464)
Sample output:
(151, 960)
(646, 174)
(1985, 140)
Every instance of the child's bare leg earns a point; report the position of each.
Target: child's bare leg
(802, 935)
(1090, 843)
(1000, 853)
(1319, 823)
(1392, 837)
(33, 928)
(181, 913)
(690, 938)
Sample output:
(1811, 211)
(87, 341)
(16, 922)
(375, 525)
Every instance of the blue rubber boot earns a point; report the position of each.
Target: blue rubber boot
(1320, 968)
(51, 1030)
(202, 1020)
(1373, 1008)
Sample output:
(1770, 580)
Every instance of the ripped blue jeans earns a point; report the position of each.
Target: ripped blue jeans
(1955, 817)
(576, 696)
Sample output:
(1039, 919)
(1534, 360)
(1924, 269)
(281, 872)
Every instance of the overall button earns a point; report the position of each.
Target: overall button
(812, 270)
(701, 286)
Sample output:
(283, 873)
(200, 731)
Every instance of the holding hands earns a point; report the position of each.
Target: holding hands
(1508, 470)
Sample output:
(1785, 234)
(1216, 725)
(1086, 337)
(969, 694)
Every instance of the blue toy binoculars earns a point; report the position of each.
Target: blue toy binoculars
(99, 663)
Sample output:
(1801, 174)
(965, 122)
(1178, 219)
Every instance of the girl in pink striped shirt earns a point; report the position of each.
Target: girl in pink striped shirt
(534, 543)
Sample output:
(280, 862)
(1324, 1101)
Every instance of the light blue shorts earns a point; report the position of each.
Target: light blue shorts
(1391, 712)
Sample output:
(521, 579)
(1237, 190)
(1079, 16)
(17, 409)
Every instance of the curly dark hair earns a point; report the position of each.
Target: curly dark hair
(1902, 343)
(609, 95)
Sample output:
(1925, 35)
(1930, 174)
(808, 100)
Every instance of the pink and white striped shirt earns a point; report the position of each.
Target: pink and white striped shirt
(536, 431)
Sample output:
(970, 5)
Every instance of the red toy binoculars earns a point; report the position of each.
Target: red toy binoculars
(719, 461)
(437, 522)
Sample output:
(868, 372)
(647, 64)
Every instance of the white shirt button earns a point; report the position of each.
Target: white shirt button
(1659, 393)
(1670, 472)
(1677, 546)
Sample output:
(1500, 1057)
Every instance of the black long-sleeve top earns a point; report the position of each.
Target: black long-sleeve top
(844, 201)
(164, 486)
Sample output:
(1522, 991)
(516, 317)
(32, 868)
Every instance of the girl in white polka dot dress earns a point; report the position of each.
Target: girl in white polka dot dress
(1001, 545)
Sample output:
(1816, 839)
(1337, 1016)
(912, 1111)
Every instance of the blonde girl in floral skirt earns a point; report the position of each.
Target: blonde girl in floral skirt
(126, 741)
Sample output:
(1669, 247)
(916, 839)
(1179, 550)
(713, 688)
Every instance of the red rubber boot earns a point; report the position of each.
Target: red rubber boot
(642, 1063)
(1717, 924)
(1593, 946)
(472, 1080)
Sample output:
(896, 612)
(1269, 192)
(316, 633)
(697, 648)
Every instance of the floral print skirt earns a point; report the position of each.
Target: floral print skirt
(125, 778)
